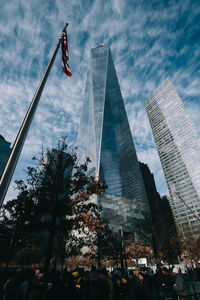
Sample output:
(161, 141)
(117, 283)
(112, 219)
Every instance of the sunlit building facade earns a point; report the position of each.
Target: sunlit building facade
(178, 145)
(105, 137)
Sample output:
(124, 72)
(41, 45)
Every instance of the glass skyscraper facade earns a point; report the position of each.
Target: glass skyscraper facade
(105, 137)
(178, 146)
(4, 152)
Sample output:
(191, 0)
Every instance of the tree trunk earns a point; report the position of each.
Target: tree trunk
(50, 246)
(116, 261)
(125, 258)
(98, 250)
(98, 259)
(136, 260)
(55, 262)
(10, 251)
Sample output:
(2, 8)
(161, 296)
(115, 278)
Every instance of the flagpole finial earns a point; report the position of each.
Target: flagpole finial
(66, 24)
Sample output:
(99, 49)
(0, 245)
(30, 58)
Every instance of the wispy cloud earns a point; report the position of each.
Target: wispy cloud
(149, 42)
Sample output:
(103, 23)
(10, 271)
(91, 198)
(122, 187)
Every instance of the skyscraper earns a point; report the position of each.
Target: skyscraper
(105, 137)
(164, 228)
(178, 146)
(4, 152)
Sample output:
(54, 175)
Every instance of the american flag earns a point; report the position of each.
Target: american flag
(65, 55)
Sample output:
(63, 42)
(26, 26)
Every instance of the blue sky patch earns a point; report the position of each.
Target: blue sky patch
(149, 41)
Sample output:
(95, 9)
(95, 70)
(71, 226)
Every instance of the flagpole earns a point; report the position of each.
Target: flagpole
(21, 136)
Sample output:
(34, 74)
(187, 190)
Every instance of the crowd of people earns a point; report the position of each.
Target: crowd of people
(140, 284)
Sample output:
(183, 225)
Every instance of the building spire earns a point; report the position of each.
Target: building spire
(100, 44)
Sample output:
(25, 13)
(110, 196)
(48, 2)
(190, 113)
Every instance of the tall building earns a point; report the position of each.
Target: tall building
(164, 228)
(105, 137)
(178, 146)
(4, 152)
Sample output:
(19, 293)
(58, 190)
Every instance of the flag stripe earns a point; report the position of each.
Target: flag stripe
(65, 54)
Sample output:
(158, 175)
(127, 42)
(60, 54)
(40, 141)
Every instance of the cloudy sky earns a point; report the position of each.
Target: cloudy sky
(149, 41)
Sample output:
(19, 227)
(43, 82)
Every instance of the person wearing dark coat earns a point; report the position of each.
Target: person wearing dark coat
(144, 289)
(38, 288)
(12, 288)
(95, 285)
(159, 275)
(70, 289)
(128, 289)
(105, 287)
(117, 287)
(180, 285)
(167, 285)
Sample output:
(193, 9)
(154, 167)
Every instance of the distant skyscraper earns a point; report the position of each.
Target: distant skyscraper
(178, 146)
(105, 137)
(164, 227)
(4, 152)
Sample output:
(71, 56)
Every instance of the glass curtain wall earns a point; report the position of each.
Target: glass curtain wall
(105, 136)
(178, 145)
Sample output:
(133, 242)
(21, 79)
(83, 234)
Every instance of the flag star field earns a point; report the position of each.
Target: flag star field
(149, 41)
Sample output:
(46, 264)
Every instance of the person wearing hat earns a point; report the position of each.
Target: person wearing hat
(77, 279)
(80, 283)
